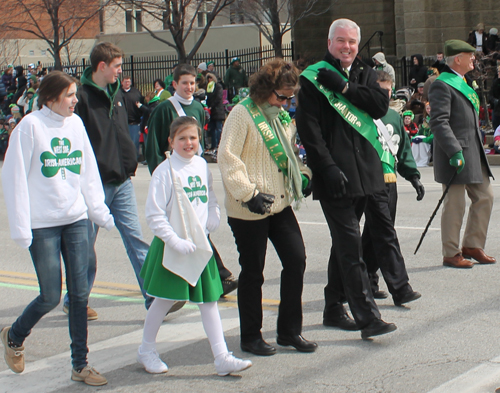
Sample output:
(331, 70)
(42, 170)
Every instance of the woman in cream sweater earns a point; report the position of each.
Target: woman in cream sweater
(262, 177)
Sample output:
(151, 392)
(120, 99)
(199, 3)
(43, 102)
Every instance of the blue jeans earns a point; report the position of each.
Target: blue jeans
(48, 244)
(215, 131)
(135, 131)
(123, 206)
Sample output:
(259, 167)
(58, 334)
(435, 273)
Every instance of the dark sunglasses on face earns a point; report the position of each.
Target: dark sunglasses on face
(280, 97)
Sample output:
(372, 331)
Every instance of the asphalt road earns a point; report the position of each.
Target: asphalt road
(448, 341)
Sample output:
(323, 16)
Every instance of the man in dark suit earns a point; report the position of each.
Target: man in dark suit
(458, 147)
(334, 94)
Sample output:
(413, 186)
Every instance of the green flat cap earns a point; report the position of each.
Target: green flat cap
(454, 47)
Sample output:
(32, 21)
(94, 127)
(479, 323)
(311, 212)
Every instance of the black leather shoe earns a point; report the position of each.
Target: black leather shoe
(344, 322)
(380, 294)
(298, 342)
(406, 298)
(258, 347)
(377, 327)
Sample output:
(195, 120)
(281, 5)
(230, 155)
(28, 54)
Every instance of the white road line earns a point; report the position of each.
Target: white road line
(53, 373)
(481, 379)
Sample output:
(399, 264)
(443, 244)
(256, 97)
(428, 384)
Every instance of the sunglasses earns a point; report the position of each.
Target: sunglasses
(280, 97)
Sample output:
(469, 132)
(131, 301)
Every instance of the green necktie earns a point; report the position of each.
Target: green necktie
(346, 72)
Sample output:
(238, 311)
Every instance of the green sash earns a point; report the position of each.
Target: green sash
(361, 121)
(271, 141)
(459, 84)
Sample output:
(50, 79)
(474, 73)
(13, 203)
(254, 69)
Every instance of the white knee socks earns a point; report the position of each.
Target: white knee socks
(209, 316)
(213, 327)
(154, 318)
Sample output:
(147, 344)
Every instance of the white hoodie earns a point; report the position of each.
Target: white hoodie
(50, 176)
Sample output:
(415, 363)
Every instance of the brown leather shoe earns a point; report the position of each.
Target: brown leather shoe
(457, 261)
(478, 254)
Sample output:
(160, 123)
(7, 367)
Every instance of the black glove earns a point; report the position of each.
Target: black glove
(331, 80)
(308, 190)
(260, 203)
(334, 180)
(415, 182)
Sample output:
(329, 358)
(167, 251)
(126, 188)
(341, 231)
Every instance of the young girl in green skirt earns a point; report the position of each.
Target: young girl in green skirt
(159, 282)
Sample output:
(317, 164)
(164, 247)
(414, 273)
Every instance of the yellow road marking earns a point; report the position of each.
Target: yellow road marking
(115, 289)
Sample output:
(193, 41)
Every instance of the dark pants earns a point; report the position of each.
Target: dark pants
(223, 272)
(347, 276)
(251, 240)
(380, 242)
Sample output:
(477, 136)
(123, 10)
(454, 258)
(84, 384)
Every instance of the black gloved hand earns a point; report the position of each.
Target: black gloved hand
(308, 190)
(261, 203)
(415, 182)
(334, 180)
(331, 80)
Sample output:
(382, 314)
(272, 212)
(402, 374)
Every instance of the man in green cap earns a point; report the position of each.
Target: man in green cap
(458, 148)
(235, 78)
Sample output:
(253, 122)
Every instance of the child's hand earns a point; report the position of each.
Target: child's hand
(213, 222)
(182, 246)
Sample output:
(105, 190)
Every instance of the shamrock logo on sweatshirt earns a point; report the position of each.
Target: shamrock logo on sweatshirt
(62, 159)
(197, 190)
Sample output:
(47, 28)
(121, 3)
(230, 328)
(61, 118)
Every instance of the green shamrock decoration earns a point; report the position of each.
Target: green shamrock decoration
(61, 159)
(197, 190)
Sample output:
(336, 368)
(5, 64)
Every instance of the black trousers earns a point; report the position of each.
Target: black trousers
(347, 275)
(223, 271)
(380, 242)
(251, 240)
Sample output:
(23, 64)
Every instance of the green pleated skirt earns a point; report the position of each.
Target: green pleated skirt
(162, 283)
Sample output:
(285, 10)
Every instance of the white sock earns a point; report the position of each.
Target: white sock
(213, 328)
(154, 318)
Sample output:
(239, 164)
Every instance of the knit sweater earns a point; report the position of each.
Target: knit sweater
(246, 166)
(50, 176)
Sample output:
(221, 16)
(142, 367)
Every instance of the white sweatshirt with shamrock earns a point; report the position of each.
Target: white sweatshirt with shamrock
(50, 176)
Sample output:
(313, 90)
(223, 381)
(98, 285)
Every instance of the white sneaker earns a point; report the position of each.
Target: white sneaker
(226, 364)
(151, 362)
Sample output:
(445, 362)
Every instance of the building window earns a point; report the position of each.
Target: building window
(101, 21)
(133, 19)
(138, 20)
(32, 53)
(43, 53)
(202, 19)
(236, 14)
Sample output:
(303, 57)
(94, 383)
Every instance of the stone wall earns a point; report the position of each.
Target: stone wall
(409, 26)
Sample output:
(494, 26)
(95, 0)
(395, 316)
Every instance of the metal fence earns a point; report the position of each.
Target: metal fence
(144, 70)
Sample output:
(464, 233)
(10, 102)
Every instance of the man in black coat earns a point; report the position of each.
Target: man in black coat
(131, 96)
(346, 169)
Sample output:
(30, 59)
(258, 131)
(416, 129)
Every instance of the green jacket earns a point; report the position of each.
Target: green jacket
(159, 129)
(406, 165)
(235, 77)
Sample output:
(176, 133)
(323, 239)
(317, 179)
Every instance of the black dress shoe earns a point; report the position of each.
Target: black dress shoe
(344, 322)
(258, 347)
(380, 294)
(406, 298)
(377, 327)
(298, 342)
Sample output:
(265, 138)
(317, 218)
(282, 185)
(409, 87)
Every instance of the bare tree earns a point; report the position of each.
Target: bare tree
(10, 50)
(56, 22)
(274, 18)
(179, 17)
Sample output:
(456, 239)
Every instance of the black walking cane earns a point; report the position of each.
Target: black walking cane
(435, 211)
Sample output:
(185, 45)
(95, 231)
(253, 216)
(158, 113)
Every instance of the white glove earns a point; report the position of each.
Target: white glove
(182, 246)
(213, 222)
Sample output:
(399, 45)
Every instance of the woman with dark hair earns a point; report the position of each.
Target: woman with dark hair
(52, 188)
(160, 91)
(418, 72)
(262, 177)
(217, 111)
